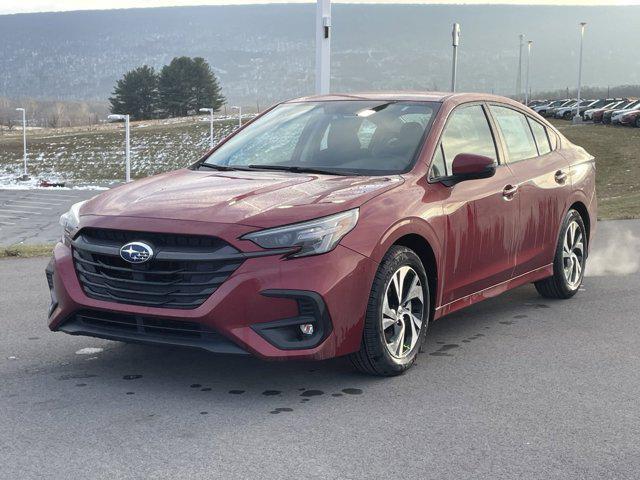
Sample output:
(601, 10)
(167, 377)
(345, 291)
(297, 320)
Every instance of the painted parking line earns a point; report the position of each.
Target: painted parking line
(23, 207)
(19, 202)
(54, 194)
(29, 202)
(18, 211)
(51, 197)
(29, 207)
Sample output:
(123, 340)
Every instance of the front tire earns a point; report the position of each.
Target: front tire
(569, 261)
(397, 315)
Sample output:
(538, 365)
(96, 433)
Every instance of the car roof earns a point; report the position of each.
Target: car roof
(419, 96)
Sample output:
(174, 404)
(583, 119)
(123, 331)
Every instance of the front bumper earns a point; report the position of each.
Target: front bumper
(256, 310)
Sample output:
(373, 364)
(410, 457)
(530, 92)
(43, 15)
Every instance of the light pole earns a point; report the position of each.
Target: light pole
(239, 109)
(323, 46)
(519, 80)
(526, 91)
(24, 142)
(455, 34)
(127, 142)
(210, 111)
(577, 118)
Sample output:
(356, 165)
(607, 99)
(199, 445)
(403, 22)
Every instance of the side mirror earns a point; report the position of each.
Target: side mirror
(467, 166)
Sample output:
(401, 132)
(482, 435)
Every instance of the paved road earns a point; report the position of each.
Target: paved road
(31, 216)
(515, 388)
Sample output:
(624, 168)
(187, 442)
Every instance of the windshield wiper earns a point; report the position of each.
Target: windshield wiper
(223, 168)
(296, 169)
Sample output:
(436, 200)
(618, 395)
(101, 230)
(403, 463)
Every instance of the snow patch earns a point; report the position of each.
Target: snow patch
(89, 351)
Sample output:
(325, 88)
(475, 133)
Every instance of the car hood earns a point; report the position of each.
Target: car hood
(252, 198)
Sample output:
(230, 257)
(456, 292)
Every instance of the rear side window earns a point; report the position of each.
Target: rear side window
(516, 133)
(467, 131)
(540, 134)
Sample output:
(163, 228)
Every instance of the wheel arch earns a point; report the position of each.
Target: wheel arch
(423, 249)
(581, 208)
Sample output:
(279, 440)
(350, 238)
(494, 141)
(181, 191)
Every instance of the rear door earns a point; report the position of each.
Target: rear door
(542, 184)
(481, 216)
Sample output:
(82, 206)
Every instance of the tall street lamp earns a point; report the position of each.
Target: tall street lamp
(323, 46)
(210, 111)
(455, 34)
(527, 92)
(127, 142)
(519, 79)
(239, 109)
(577, 118)
(24, 142)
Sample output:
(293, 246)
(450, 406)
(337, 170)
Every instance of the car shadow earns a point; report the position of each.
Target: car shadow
(160, 371)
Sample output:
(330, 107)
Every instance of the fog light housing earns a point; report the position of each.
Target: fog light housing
(308, 329)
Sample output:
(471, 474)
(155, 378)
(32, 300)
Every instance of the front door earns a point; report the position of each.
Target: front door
(481, 216)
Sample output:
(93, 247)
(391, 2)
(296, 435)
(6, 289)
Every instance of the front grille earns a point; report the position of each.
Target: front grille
(143, 325)
(151, 330)
(184, 272)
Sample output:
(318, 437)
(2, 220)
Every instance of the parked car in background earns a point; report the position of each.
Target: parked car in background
(569, 111)
(609, 114)
(543, 108)
(566, 103)
(632, 118)
(588, 114)
(535, 103)
(595, 104)
(598, 115)
(332, 225)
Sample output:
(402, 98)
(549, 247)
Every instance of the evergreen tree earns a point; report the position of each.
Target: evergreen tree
(186, 85)
(136, 93)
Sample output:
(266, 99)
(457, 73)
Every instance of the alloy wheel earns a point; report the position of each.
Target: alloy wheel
(402, 312)
(573, 255)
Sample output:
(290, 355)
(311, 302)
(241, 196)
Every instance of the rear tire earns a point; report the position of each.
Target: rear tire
(395, 328)
(569, 261)
(638, 121)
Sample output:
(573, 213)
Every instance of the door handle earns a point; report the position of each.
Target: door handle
(509, 192)
(560, 176)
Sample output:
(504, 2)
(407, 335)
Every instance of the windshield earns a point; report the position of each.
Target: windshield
(335, 137)
(632, 105)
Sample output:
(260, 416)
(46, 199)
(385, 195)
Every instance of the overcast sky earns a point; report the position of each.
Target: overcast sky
(23, 6)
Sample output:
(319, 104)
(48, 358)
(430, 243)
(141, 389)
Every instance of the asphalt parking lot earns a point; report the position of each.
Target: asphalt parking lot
(515, 387)
(31, 216)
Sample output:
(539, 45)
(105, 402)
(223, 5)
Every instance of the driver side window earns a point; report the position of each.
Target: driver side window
(467, 131)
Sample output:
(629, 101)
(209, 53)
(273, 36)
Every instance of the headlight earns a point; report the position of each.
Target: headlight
(70, 220)
(311, 238)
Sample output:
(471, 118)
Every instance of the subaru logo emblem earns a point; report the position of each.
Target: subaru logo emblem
(136, 252)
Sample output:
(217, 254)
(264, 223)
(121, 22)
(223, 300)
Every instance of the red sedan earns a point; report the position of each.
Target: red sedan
(329, 226)
(632, 118)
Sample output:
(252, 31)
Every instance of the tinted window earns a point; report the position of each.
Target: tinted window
(350, 137)
(516, 133)
(467, 131)
(540, 134)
